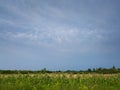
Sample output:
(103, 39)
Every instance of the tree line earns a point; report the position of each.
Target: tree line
(100, 70)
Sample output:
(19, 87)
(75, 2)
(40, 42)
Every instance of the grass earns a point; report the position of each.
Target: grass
(59, 81)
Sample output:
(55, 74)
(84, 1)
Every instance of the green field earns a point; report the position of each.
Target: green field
(59, 81)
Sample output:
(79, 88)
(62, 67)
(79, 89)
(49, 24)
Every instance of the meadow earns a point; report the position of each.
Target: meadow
(59, 81)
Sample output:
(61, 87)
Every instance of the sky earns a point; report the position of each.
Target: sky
(59, 34)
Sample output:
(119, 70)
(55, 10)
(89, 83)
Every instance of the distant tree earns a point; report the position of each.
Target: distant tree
(99, 70)
(44, 70)
(94, 70)
(113, 67)
(89, 70)
(113, 70)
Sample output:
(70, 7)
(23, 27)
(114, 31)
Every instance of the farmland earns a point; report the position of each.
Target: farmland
(60, 81)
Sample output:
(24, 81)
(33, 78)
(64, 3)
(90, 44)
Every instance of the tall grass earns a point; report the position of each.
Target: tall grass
(60, 82)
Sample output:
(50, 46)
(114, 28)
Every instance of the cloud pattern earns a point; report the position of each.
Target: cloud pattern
(68, 27)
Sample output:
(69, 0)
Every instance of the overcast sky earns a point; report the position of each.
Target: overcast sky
(59, 34)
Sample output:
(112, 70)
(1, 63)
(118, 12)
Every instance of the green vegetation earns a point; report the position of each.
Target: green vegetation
(91, 79)
(44, 70)
(59, 81)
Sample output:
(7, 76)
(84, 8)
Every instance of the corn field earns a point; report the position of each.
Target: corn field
(59, 81)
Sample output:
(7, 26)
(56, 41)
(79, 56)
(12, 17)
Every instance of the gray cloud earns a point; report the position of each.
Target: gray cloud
(68, 27)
